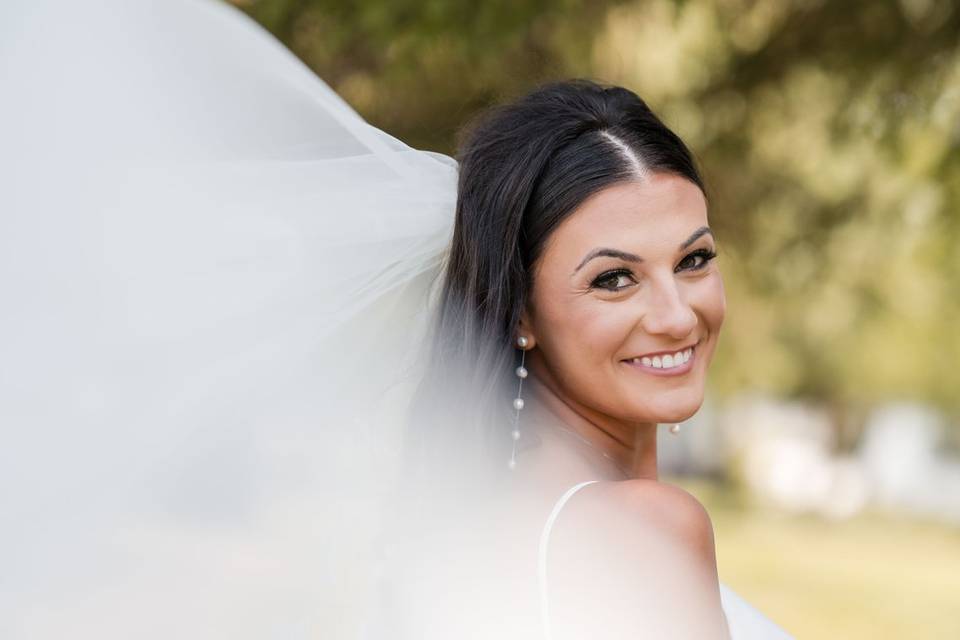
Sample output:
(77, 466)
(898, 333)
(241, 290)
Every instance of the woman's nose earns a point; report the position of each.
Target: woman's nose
(668, 312)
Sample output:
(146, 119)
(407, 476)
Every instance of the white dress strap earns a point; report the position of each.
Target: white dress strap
(542, 557)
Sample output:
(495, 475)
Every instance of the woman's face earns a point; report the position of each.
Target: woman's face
(628, 276)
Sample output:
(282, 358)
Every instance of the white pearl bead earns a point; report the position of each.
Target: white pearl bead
(518, 403)
(522, 342)
(515, 434)
(521, 372)
(675, 429)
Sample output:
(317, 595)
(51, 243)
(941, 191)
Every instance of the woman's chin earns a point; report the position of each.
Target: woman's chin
(671, 410)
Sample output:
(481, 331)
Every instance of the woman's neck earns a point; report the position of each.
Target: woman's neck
(632, 447)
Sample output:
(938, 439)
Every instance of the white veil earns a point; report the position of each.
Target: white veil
(213, 272)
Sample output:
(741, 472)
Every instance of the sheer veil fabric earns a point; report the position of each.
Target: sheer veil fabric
(213, 274)
(216, 281)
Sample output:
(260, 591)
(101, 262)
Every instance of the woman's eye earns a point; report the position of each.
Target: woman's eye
(705, 255)
(614, 280)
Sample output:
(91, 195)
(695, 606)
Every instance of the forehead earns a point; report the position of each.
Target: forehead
(663, 209)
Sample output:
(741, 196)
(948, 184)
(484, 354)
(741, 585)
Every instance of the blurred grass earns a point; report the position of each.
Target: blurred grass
(873, 576)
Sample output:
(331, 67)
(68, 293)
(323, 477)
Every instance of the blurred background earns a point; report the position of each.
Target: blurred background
(828, 451)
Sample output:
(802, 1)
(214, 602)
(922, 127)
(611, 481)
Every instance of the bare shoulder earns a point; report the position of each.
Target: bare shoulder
(647, 551)
(652, 508)
(662, 509)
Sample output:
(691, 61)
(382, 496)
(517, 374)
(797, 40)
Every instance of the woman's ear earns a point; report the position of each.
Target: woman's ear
(525, 330)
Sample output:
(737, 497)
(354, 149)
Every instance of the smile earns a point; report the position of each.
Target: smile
(665, 364)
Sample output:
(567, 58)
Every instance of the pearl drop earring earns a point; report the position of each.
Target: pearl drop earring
(521, 372)
(675, 429)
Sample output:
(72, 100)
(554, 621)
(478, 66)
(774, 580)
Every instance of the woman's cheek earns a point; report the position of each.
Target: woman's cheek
(594, 336)
(717, 303)
(599, 330)
(573, 341)
(707, 299)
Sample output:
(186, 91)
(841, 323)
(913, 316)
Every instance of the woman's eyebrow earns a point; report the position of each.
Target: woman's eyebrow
(632, 257)
(607, 251)
(693, 237)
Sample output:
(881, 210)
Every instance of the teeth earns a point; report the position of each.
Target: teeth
(667, 361)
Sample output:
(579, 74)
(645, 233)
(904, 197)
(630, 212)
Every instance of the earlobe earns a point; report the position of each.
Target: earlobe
(524, 331)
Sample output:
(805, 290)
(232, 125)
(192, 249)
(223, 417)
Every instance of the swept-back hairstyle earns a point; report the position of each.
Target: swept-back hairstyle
(523, 168)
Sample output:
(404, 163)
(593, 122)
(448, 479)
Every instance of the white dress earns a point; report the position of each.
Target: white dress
(211, 268)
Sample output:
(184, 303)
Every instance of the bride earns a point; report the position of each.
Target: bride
(579, 307)
(271, 372)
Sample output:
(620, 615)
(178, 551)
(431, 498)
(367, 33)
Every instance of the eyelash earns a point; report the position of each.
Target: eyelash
(706, 254)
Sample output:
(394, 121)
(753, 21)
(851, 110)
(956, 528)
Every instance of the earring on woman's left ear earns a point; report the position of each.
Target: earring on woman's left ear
(521, 372)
